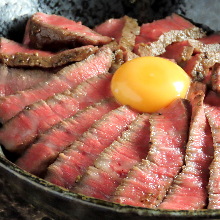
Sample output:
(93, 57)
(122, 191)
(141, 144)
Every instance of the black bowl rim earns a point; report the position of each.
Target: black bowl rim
(59, 191)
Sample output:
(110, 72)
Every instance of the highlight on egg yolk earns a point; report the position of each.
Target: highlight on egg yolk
(148, 84)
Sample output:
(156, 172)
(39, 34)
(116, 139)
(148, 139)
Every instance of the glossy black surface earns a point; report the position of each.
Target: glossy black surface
(58, 202)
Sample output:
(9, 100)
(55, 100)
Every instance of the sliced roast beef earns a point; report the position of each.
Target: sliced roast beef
(195, 69)
(124, 31)
(151, 32)
(17, 55)
(213, 116)
(211, 39)
(118, 61)
(113, 164)
(48, 146)
(128, 35)
(182, 51)
(215, 77)
(22, 129)
(148, 182)
(156, 36)
(158, 47)
(74, 161)
(188, 192)
(205, 57)
(195, 89)
(179, 52)
(212, 98)
(53, 31)
(13, 80)
(210, 59)
(67, 78)
(198, 66)
(199, 46)
(112, 28)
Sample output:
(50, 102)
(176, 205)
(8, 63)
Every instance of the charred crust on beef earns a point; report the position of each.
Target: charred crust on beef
(159, 47)
(215, 78)
(124, 31)
(127, 41)
(68, 77)
(199, 65)
(179, 51)
(195, 89)
(45, 32)
(23, 56)
(177, 29)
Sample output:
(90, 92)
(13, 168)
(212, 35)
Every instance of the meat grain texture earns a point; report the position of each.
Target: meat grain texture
(64, 128)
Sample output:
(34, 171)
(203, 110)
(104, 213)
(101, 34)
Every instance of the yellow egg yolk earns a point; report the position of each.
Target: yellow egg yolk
(148, 84)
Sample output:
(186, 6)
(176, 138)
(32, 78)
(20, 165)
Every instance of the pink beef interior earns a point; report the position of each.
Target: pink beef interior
(111, 28)
(10, 47)
(65, 24)
(64, 132)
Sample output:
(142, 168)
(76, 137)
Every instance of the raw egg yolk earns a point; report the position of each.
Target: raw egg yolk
(148, 84)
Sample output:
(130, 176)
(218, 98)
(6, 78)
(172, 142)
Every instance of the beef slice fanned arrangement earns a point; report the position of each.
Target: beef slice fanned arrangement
(61, 122)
